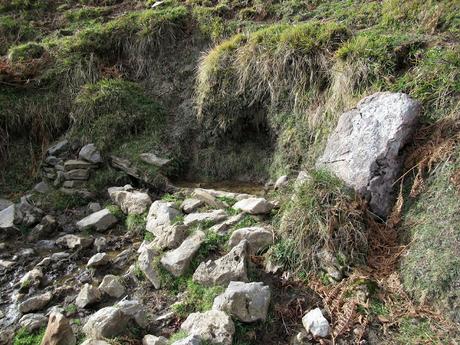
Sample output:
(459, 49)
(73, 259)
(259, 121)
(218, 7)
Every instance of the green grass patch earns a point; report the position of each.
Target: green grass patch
(136, 222)
(24, 337)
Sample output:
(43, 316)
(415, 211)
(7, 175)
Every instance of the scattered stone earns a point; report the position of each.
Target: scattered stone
(88, 295)
(329, 263)
(32, 278)
(51, 160)
(6, 263)
(74, 241)
(60, 179)
(135, 310)
(145, 261)
(44, 229)
(91, 154)
(7, 217)
(94, 207)
(254, 206)
(59, 256)
(248, 302)
(153, 340)
(302, 177)
(190, 340)
(42, 187)
(281, 182)
(315, 323)
(27, 214)
(58, 331)
(108, 322)
(258, 238)
(5, 204)
(169, 236)
(231, 267)
(112, 286)
(45, 262)
(214, 326)
(100, 243)
(100, 220)
(130, 201)
(77, 174)
(74, 164)
(35, 303)
(32, 322)
(58, 148)
(97, 260)
(203, 195)
(215, 216)
(222, 228)
(178, 260)
(74, 184)
(153, 159)
(95, 342)
(190, 205)
(122, 259)
(365, 148)
(161, 213)
(82, 193)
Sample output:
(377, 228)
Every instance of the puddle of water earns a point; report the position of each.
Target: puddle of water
(226, 186)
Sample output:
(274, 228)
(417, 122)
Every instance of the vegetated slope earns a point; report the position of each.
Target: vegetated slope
(272, 78)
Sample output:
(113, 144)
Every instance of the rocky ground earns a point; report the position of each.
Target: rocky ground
(186, 268)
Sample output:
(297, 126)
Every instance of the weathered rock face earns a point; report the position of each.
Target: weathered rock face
(161, 213)
(213, 217)
(145, 262)
(178, 260)
(231, 267)
(112, 286)
(247, 302)
(130, 201)
(258, 238)
(91, 154)
(35, 303)
(88, 295)
(214, 326)
(100, 220)
(315, 323)
(107, 322)
(254, 206)
(365, 148)
(58, 331)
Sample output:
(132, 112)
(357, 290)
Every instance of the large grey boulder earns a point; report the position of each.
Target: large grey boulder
(365, 148)
(161, 213)
(112, 286)
(35, 303)
(131, 201)
(213, 326)
(190, 205)
(315, 323)
(108, 322)
(58, 331)
(231, 267)
(211, 217)
(254, 206)
(145, 263)
(4, 203)
(100, 220)
(88, 295)
(90, 153)
(258, 238)
(247, 302)
(178, 260)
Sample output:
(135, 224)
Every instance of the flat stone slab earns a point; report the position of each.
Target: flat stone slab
(100, 220)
